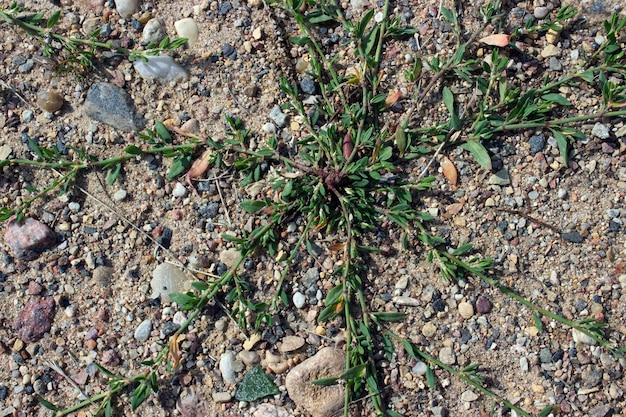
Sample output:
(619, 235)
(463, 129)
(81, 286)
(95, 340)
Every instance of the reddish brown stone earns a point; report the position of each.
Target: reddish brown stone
(35, 319)
(483, 305)
(28, 238)
(34, 288)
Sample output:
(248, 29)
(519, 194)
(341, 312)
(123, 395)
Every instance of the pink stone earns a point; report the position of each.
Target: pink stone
(28, 238)
(35, 320)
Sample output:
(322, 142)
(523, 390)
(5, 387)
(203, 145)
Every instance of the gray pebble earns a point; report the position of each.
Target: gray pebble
(278, 116)
(224, 8)
(26, 67)
(142, 332)
(537, 143)
(545, 356)
(308, 85)
(561, 194)
(533, 195)
(420, 368)
(500, 178)
(120, 195)
(154, 31)
(113, 106)
(554, 64)
(74, 207)
(573, 237)
(227, 361)
(161, 68)
(523, 364)
(600, 131)
(447, 356)
(541, 12)
(27, 115)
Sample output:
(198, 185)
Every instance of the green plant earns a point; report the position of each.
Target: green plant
(74, 54)
(345, 176)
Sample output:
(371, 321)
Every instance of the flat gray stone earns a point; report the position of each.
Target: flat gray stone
(500, 178)
(142, 332)
(167, 279)
(111, 105)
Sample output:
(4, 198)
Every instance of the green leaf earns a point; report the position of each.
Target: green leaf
(48, 404)
(106, 372)
(114, 173)
(53, 19)
(563, 145)
(538, 322)
(133, 150)
(200, 286)
(182, 299)
(253, 206)
(556, 98)
(299, 40)
(325, 382)
(430, 377)
(139, 395)
(354, 372)
(255, 385)
(181, 162)
(479, 152)
(162, 131)
(462, 249)
(547, 410)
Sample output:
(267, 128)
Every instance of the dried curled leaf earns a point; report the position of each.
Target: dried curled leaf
(200, 165)
(449, 170)
(498, 39)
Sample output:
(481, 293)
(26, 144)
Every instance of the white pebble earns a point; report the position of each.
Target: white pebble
(299, 300)
(126, 8)
(142, 332)
(179, 190)
(187, 28)
(161, 68)
(227, 361)
(120, 195)
(74, 207)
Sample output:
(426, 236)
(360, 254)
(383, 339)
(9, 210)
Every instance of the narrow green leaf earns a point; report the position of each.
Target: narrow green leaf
(537, 321)
(556, 98)
(105, 371)
(325, 382)
(563, 145)
(180, 164)
(53, 19)
(389, 315)
(430, 377)
(162, 131)
(48, 404)
(371, 40)
(133, 150)
(392, 413)
(180, 298)
(200, 286)
(139, 395)
(299, 40)
(354, 372)
(547, 410)
(333, 295)
(34, 147)
(479, 152)
(114, 173)
(462, 249)
(253, 206)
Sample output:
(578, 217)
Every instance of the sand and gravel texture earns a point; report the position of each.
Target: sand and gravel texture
(98, 291)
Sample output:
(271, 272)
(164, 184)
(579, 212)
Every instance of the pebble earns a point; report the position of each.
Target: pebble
(230, 257)
(126, 8)
(229, 51)
(500, 178)
(561, 193)
(221, 397)
(318, 401)
(257, 33)
(102, 275)
(166, 279)
(541, 12)
(545, 356)
(251, 90)
(308, 85)
(120, 195)
(250, 358)
(468, 396)
(537, 143)
(405, 301)
(600, 131)
(554, 64)
(483, 305)
(270, 410)
(299, 300)
(153, 32)
(179, 190)
(224, 8)
(523, 364)
(291, 343)
(420, 368)
(573, 237)
(28, 115)
(278, 116)
(109, 104)
(447, 356)
(142, 332)
(28, 238)
(429, 329)
(187, 28)
(550, 50)
(533, 195)
(35, 320)
(580, 337)
(226, 366)
(161, 68)
(466, 310)
(49, 100)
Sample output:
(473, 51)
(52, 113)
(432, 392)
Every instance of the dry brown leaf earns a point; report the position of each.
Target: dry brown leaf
(449, 170)
(337, 247)
(392, 98)
(199, 166)
(498, 39)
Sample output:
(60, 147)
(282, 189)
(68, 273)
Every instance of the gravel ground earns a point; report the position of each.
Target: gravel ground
(556, 234)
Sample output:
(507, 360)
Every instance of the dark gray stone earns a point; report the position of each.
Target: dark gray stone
(113, 106)
(573, 237)
(537, 143)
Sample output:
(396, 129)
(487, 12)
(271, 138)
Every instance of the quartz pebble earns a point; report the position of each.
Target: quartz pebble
(600, 131)
(142, 332)
(226, 366)
(153, 32)
(187, 28)
(466, 310)
(161, 68)
(120, 195)
(299, 300)
(429, 329)
(179, 190)
(126, 8)
(49, 100)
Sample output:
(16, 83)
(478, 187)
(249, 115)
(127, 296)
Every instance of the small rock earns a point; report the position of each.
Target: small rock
(552, 37)
(251, 90)
(466, 310)
(580, 337)
(179, 190)
(550, 50)
(291, 343)
(28, 238)
(153, 32)
(230, 257)
(420, 368)
(523, 364)
(468, 396)
(406, 301)
(537, 388)
(126, 8)
(224, 8)
(402, 283)
(533, 195)
(221, 397)
(120, 195)
(257, 33)
(167, 279)
(308, 85)
(429, 329)
(187, 28)
(278, 116)
(102, 276)
(49, 100)
(537, 143)
(483, 305)
(250, 358)
(191, 126)
(35, 320)
(554, 64)
(601, 411)
(142, 332)
(573, 237)
(299, 300)
(319, 401)
(113, 106)
(561, 194)
(500, 178)
(270, 410)
(229, 51)
(227, 362)
(545, 356)
(541, 12)
(161, 68)
(34, 288)
(447, 356)
(600, 131)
